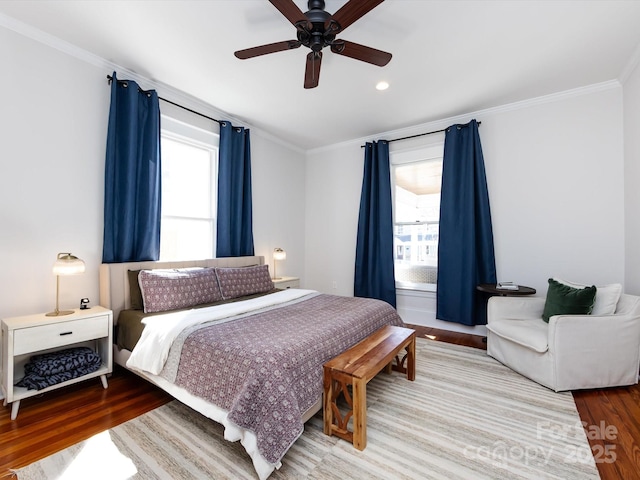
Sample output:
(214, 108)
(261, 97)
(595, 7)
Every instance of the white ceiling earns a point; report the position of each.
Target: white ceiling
(449, 57)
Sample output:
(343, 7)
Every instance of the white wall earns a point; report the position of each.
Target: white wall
(333, 184)
(278, 182)
(53, 124)
(555, 176)
(556, 180)
(632, 180)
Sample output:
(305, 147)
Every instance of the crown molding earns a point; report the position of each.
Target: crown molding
(478, 114)
(164, 90)
(72, 50)
(631, 65)
(49, 40)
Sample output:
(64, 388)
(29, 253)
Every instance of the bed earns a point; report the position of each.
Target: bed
(217, 336)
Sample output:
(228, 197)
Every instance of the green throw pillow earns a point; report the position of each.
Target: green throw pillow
(565, 300)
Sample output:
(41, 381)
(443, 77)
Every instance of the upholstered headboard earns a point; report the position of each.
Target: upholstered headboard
(114, 278)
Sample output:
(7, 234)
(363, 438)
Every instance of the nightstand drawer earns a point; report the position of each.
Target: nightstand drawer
(41, 337)
(284, 283)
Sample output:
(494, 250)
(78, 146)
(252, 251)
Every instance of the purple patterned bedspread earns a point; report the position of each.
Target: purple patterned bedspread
(266, 369)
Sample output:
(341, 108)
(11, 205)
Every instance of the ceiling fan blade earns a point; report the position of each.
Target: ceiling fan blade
(312, 71)
(289, 10)
(361, 52)
(352, 11)
(269, 48)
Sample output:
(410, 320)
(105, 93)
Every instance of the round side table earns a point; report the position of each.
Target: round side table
(492, 290)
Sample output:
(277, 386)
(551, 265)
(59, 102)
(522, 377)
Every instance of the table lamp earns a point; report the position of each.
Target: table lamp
(66, 264)
(278, 254)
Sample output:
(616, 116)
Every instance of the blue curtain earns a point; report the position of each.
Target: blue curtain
(234, 223)
(132, 192)
(465, 249)
(374, 272)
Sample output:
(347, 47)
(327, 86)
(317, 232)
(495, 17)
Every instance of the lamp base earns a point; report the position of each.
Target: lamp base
(58, 313)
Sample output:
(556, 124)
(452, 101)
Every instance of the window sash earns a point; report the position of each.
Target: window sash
(182, 232)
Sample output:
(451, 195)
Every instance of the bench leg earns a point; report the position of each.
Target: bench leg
(407, 363)
(327, 396)
(359, 413)
(411, 359)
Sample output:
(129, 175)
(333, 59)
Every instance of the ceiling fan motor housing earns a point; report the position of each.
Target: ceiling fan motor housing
(316, 13)
(313, 33)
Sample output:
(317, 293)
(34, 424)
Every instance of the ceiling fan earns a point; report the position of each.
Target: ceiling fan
(317, 29)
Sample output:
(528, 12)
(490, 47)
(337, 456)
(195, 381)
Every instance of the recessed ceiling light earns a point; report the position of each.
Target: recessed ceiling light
(382, 86)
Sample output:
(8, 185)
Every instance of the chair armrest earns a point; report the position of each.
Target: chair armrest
(593, 351)
(595, 332)
(516, 308)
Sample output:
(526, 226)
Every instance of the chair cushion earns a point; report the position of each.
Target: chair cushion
(607, 296)
(565, 300)
(532, 333)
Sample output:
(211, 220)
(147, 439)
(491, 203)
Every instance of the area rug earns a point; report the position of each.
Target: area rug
(466, 416)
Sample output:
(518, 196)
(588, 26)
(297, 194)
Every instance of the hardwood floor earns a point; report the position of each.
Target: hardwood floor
(52, 422)
(61, 418)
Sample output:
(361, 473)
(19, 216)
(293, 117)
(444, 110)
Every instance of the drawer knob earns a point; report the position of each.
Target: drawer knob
(66, 333)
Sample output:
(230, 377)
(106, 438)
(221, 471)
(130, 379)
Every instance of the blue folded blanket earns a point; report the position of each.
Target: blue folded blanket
(49, 369)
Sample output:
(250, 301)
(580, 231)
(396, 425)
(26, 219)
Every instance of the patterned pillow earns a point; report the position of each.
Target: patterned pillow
(238, 282)
(164, 290)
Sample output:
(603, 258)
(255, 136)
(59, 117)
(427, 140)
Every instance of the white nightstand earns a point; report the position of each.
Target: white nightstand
(25, 336)
(283, 283)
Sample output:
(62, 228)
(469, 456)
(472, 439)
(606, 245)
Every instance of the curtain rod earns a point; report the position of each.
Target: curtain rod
(417, 135)
(110, 79)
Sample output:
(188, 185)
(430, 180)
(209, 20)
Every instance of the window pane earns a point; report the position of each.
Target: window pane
(417, 191)
(186, 239)
(416, 244)
(186, 180)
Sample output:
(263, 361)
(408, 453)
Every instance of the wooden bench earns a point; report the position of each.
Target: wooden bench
(356, 367)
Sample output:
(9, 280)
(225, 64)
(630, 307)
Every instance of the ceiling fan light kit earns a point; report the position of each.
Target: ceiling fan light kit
(317, 29)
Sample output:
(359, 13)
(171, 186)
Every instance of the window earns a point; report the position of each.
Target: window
(416, 177)
(189, 181)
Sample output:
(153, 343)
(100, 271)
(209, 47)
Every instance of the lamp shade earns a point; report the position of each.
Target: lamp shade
(279, 254)
(67, 264)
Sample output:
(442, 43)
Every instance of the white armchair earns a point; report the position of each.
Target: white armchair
(571, 352)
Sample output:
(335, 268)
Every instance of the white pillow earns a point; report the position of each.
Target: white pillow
(607, 296)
